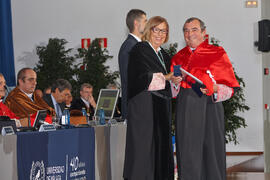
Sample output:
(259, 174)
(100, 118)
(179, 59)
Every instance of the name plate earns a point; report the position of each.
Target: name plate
(112, 121)
(92, 123)
(8, 130)
(46, 127)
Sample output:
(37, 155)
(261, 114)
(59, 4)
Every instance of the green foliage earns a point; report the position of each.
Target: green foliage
(232, 106)
(172, 49)
(93, 70)
(214, 41)
(55, 62)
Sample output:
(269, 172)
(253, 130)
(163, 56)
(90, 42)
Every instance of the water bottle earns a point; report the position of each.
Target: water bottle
(101, 116)
(66, 117)
(84, 113)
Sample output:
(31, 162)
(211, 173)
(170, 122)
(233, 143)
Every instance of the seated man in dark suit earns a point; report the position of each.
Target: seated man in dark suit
(86, 100)
(61, 89)
(69, 101)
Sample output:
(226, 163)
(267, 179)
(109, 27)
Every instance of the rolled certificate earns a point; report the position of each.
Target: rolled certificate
(192, 76)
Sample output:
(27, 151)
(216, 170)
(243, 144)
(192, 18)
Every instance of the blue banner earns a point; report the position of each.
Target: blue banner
(6, 43)
(57, 155)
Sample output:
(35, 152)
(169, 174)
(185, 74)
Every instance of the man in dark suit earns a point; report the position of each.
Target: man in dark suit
(135, 20)
(61, 89)
(86, 100)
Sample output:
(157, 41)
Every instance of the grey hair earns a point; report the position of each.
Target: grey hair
(61, 84)
(202, 24)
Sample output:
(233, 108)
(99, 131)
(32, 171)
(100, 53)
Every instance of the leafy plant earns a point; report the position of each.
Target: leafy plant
(231, 108)
(54, 62)
(172, 50)
(93, 69)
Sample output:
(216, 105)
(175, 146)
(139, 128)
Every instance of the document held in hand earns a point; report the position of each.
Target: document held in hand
(197, 85)
(193, 77)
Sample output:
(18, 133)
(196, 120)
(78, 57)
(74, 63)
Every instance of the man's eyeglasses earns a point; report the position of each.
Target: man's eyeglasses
(157, 30)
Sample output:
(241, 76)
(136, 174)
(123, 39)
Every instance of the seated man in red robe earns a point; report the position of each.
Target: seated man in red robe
(4, 111)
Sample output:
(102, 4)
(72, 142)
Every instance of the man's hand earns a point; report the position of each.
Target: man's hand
(205, 90)
(92, 101)
(24, 122)
(176, 79)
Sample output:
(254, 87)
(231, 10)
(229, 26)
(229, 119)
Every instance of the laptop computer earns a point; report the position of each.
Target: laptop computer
(107, 100)
(39, 119)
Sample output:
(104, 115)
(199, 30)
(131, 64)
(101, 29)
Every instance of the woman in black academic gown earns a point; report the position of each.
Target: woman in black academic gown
(149, 154)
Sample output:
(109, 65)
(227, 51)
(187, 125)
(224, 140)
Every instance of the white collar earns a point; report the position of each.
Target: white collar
(53, 100)
(136, 37)
(158, 49)
(28, 95)
(192, 49)
(85, 102)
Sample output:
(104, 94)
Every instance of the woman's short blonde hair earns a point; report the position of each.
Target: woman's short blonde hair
(153, 22)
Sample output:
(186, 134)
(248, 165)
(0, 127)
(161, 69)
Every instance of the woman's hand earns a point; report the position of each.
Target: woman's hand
(175, 79)
(168, 76)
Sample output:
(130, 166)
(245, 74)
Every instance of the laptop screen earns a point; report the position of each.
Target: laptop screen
(107, 100)
(40, 118)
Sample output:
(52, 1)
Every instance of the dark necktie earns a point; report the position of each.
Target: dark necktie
(162, 60)
(32, 98)
(58, 110)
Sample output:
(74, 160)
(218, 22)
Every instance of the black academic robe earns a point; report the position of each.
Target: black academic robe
(200, 127)
(149, 153)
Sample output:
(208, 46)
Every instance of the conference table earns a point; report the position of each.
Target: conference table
(95, 153)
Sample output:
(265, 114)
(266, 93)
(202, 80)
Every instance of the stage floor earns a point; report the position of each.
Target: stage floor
(248, 176)
(252, 169)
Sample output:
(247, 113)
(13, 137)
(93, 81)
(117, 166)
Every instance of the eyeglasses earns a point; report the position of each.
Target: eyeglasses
(157, 30)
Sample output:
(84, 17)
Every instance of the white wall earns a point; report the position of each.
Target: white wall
(266, 95)
(34, 21)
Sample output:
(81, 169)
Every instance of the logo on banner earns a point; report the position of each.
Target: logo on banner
(77, 168)
(37, 171)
